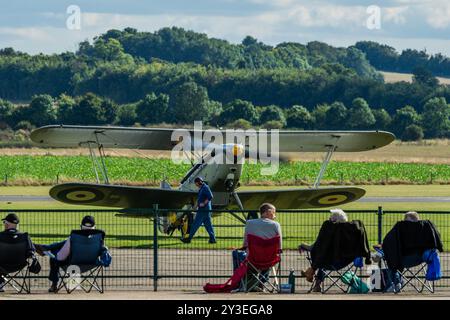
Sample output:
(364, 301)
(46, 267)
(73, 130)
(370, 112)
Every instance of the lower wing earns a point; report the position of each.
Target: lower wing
(121, 196)
(300, 198)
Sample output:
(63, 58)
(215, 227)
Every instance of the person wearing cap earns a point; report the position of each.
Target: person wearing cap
(203, 215)
(11, 226)
(60, 252)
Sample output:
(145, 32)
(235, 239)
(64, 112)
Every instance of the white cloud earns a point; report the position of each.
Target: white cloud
(284, 20)
(438, 14)
(396, 15)
(30, 34)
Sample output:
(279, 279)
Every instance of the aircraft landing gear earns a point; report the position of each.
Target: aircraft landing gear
(186, 222)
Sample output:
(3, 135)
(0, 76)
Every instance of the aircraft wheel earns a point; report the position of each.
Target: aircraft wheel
(186, 223)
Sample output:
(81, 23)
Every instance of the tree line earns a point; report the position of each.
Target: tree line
(174, 75)
(190, 102)
(386, 58)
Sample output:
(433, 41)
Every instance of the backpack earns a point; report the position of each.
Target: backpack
(356, 284)
(105, 258)
(231, 284)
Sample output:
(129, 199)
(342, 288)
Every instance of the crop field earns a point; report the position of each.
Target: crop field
(392, 77)
(47, 170)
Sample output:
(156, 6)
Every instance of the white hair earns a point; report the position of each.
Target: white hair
(338, 215)
(412, 216)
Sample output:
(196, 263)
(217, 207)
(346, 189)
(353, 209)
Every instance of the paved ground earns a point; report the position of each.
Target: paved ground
(199, 295)
(186, 271)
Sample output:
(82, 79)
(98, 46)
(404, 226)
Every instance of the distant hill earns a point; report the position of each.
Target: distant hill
(386, 58)
(393, 77)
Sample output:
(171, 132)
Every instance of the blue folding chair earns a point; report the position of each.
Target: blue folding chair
(409, 277)
(84, 269)
(335, 276)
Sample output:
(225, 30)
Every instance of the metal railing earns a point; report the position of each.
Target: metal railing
(146, 259)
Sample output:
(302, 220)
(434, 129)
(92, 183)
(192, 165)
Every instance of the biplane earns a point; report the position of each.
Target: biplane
(223, 178)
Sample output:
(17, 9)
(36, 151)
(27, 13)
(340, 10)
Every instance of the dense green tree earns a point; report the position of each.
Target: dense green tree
(336, 116)
(299, 117)
(41, 111)
(382, 57)
(360, 115)
(92, 109)
(123, 66)
(423, 76)
(382, 119)
(320, 113)
(240, 124)
(189, 102)
(153, 108)
(273, 124)
(436, 118)
(6, 111)
(272, 113)
(403, 118)
(66, 105)
(126, 114)
(412, 133)
(239, 109)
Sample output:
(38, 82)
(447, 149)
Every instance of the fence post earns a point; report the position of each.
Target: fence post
(380, 224)
(155, 247)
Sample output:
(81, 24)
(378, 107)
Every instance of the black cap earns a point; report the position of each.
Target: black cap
(11, 218)
(88, 221)
(198, 180)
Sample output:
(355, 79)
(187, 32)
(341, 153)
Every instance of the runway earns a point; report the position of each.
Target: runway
(16, 198)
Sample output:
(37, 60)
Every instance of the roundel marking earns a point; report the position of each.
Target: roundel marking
(84, 195)
(332, 198)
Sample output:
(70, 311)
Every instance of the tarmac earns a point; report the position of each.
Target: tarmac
(201, 296)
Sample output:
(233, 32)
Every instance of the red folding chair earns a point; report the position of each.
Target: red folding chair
(264, 257)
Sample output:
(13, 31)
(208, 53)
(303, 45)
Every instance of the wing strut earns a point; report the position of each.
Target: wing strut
(326, 160)
(97, 165)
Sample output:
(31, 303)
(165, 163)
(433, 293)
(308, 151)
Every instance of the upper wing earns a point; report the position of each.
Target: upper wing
(300, 198)
(160, 139)
(121, 196)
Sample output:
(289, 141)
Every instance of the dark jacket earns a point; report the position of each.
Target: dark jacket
(409, 238)
(8, 235)
(340, 243)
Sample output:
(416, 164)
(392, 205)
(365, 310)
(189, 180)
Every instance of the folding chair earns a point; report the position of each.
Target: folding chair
(14, 264)
(409, 277)
(264, 257)
(335, 275)
(84, 269)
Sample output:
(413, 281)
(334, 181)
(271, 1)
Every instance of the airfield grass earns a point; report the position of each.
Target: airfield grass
(46, 227)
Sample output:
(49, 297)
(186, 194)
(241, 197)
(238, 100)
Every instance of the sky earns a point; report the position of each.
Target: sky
(55, 26)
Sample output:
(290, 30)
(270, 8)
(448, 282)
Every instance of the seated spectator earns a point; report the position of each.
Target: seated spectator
(60, 251)
(405, 243)
(11, 227)
(338, 243)
(265, 227)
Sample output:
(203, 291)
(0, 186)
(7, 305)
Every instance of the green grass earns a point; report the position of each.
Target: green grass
(50, 169)
(122, 232)
(48, 227)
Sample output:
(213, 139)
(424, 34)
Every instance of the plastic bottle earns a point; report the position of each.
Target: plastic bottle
(291, 280)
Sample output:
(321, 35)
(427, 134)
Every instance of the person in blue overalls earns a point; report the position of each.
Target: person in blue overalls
(203, 215)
